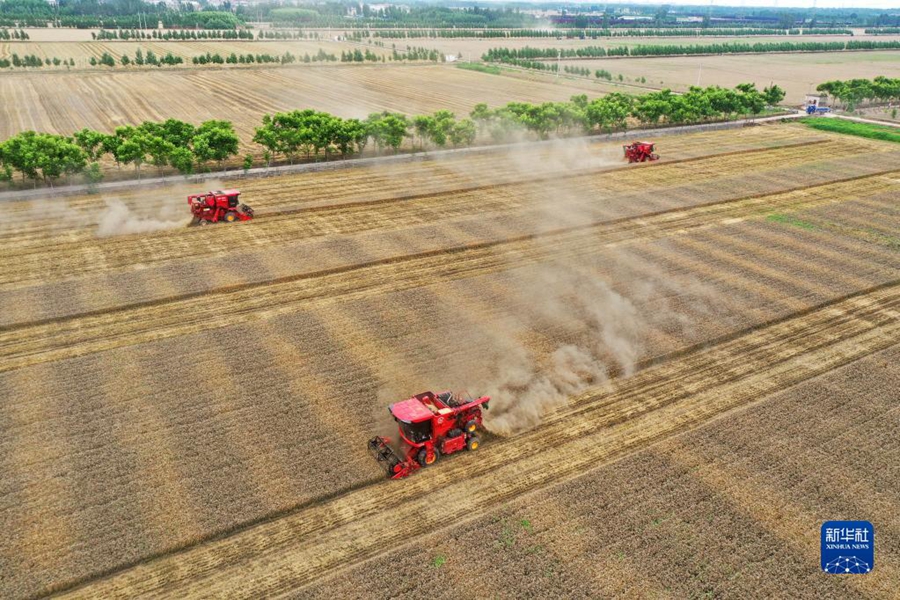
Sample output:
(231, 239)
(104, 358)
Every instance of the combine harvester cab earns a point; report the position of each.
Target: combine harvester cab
(640, 152)
(214, 207)
(430, 425)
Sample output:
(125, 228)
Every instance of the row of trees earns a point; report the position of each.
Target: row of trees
(852, 92)
(506, 54)
(761, 47)
(128, 14)
(47, 157)
(17, 34)
(614, 111)
(150, 59)
(178, 35)
(310, 133)
(249, 59)
(29, 60)
(588, 33)
(583, 71)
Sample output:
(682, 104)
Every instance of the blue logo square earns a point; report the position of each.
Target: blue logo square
(848, 547)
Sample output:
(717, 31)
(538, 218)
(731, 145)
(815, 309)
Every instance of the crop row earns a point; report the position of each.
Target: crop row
(751, 482)
(586, 193)
(299, 548)
(286, 372)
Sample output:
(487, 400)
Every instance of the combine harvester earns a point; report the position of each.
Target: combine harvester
(430, 425)
(214, 207)
(640, 152)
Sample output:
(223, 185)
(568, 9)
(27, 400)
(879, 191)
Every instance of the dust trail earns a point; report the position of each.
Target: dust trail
(119, 219)
(606, 332)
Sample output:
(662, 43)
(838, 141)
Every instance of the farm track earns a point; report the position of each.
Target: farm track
(36, 258)
(284, 554)
(54, 339)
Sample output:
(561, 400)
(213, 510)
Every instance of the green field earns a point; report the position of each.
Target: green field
(866, 130)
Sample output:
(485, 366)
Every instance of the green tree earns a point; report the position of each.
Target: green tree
(463, 133)
(773, 95)
(442, 124)
(131, 150)
(93, 175)
(388, 129)
(352, 132)
(215, 140)
(182, 159)
(91, 142)
(422, 125)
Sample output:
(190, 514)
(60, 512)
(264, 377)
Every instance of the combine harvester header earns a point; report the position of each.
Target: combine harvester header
(430, 425)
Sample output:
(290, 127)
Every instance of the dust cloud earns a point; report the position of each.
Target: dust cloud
(154, 209)
(119, 219)
(579, 329)
(604, 334)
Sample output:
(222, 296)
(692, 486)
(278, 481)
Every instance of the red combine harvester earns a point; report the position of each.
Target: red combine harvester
(430, 425)
(222, 205)
(640, 152)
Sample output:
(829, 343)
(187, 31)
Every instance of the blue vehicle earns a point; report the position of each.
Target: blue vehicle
(812, 109)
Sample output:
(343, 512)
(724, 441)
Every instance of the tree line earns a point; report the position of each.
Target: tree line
(285, 59)
(46, 157)
(613, 111)
(111, 15)
(852, 92)
(17, 34)
(506, 54)
(311, 134)
(33, 61)
(177, 35)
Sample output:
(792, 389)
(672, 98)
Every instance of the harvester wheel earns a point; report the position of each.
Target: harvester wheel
(203, 222)
(471, 426)
(231, 216)
(473, 443)
(422, 457)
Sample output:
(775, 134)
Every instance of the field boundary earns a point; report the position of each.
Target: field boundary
(336, 165)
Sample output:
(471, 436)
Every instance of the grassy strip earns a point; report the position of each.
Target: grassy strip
(866, 130)
(480, 68)
(790, 220)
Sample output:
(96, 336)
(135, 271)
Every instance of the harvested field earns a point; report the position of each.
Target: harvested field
(797, 74)
(184, 411)
(731, 475)
(82, 52)
(63, 103)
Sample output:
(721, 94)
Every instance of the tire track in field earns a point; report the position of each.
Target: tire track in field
(285, 553)
(66, 259)
(26, 344)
